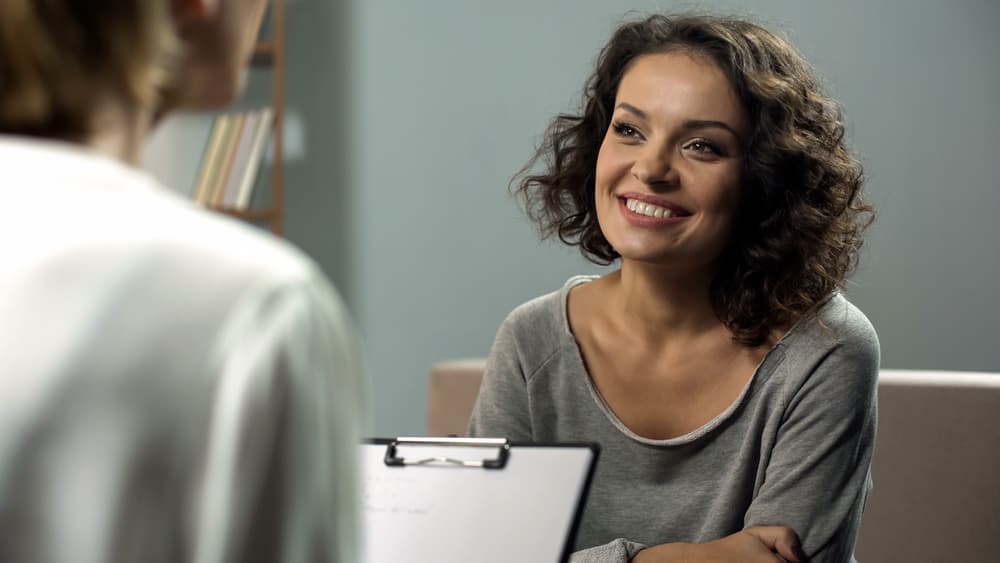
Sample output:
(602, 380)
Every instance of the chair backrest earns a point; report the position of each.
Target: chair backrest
(936, 465)
(451, 394)
(936, 469)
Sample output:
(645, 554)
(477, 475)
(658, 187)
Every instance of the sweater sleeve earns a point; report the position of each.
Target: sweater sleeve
(502, 409)
(617, 551)
(818, 477)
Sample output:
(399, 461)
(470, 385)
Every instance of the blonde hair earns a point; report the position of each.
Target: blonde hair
(60, 58)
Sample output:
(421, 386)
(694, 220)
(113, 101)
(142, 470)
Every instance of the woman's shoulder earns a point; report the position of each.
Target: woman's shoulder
(833, 322)
(541, 324)
(844, 324)
(835, 337)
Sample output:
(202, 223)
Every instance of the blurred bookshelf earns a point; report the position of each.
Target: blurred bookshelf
(238, 156)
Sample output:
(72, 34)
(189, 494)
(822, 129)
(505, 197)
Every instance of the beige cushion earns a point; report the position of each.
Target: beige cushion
(936, 465)
(451, 394)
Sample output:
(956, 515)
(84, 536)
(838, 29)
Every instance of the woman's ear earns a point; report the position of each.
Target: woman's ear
(185, 11)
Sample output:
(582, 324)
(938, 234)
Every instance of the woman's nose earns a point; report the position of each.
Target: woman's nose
(653, 166)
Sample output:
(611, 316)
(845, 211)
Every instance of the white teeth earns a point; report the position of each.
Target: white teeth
(648, 209)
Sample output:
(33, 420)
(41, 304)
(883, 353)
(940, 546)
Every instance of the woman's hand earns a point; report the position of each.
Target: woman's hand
(762, 543)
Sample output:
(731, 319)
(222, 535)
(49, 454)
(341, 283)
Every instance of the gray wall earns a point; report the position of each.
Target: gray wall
(416, 114)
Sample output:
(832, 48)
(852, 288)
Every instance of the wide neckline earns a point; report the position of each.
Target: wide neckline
(766, 366)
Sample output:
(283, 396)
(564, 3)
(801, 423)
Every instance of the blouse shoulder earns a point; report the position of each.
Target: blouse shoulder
(834, 345)
(840, 323)
(538, 328)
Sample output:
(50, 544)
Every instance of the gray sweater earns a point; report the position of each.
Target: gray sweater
(794, 449)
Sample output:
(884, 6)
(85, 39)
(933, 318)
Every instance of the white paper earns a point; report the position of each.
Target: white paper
(449, 514)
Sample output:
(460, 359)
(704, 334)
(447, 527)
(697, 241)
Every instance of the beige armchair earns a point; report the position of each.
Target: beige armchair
(936, 469)
(451, 393)
(936, 465)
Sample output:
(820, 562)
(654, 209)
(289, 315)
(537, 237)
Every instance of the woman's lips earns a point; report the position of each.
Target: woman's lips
(649, 211)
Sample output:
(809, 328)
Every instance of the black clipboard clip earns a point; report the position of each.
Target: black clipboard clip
(498, 462)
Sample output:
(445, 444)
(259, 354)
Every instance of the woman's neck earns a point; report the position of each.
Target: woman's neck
(120, 130)
(659, 300)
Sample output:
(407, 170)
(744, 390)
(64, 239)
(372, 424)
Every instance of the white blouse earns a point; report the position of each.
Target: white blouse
(176, 386)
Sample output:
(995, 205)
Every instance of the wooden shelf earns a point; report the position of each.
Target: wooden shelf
(269, 52)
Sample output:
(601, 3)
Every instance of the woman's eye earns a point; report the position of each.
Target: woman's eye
(625, 130)
(704, 147)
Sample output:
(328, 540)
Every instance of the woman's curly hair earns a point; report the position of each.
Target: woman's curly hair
(799, 231)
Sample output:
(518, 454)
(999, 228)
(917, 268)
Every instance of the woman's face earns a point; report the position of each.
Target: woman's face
(218, 41)
(668, 177)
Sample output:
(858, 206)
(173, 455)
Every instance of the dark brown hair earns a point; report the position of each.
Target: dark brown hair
(798, 234)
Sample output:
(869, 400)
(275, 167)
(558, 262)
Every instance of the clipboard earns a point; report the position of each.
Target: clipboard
(488, 500)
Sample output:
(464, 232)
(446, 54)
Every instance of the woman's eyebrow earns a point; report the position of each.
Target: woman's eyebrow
(708, 124)
(688, 125)
(692, 124)
(632, 109)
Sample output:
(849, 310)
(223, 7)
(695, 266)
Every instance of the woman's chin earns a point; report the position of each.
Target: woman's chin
(645, 249)
(205, 94)
(647, 256)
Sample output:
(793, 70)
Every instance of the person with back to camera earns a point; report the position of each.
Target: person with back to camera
(730, 384)
(177, 386)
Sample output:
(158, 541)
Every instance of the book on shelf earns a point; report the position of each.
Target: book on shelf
(238, 161)
(232, 159)
(209, 160)
(261, 133)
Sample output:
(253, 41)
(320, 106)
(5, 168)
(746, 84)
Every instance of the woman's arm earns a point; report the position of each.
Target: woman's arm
(817, 478)
(501, 409)
(763, 544)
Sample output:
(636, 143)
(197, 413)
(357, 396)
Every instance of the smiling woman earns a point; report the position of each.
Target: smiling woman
(730, 385)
